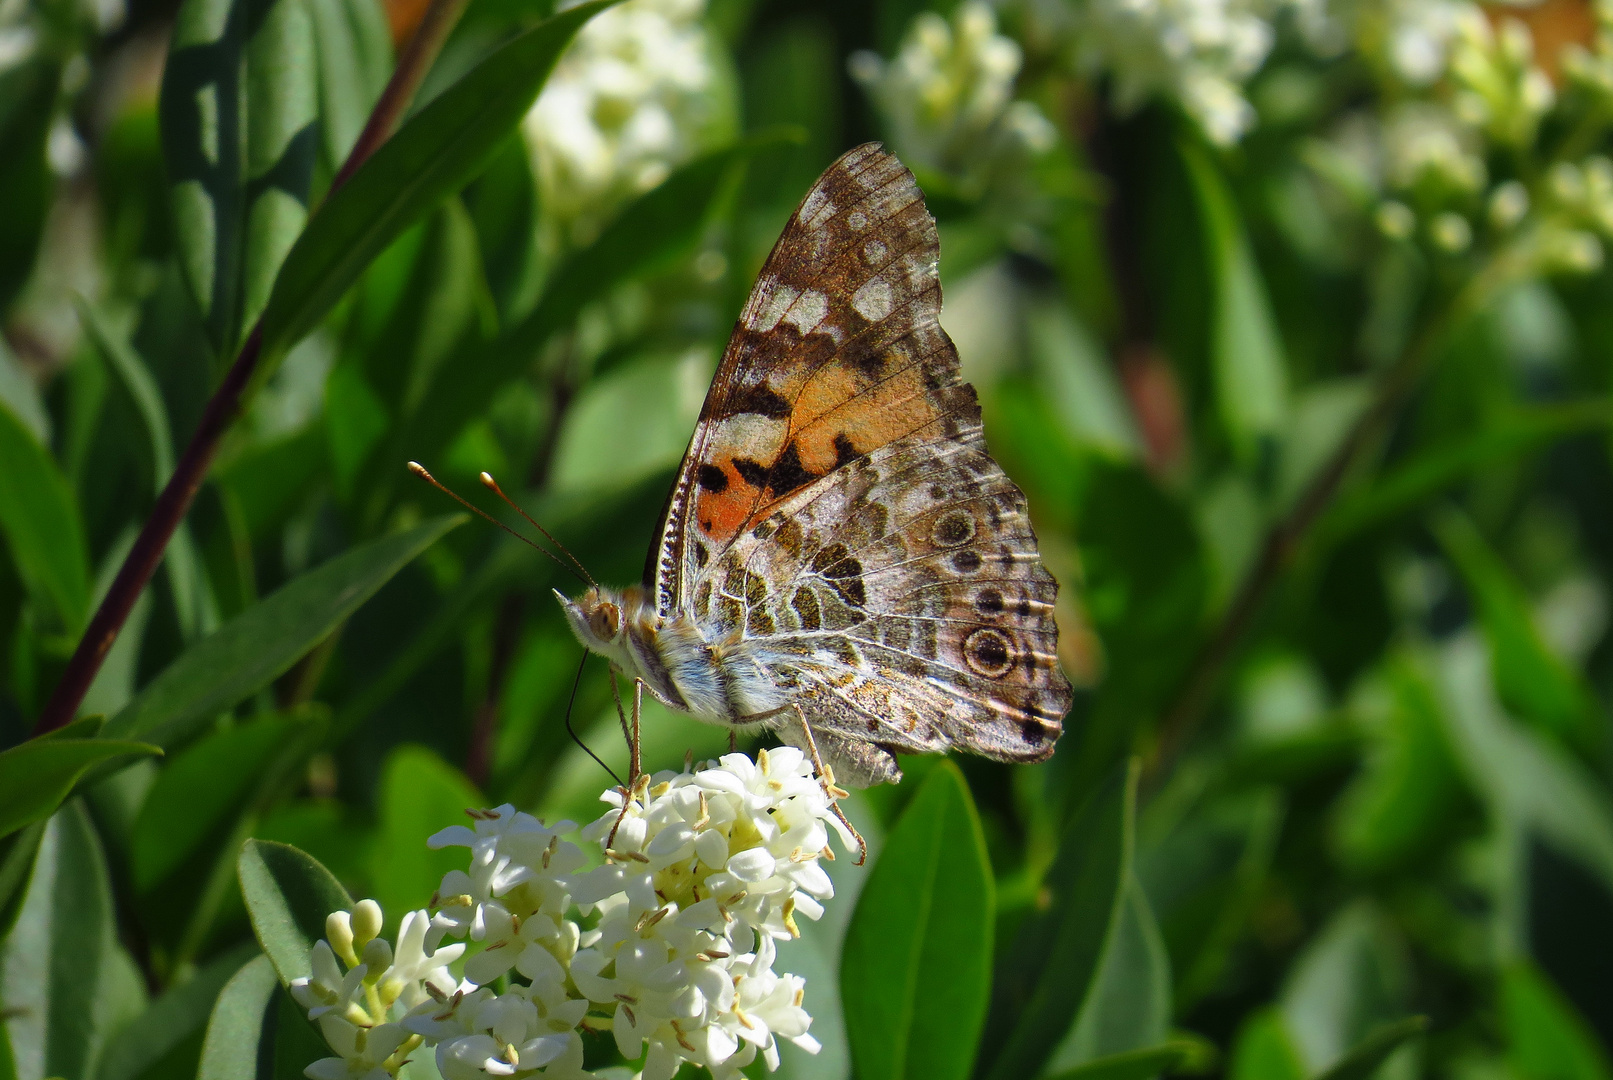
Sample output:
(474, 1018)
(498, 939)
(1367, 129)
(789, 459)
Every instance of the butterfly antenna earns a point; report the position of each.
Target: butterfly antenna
(489, 482)
(420, 471)
(572, 731)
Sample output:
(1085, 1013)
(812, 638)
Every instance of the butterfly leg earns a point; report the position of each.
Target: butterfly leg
(826, 777)
(635, 759)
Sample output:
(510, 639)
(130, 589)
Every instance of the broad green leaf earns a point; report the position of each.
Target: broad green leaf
(192, 595)
(1044, 980)
(37, 775)
(272, 478)
(263, 641)
(1246, 354)
(353, 55)
(66, 980)
(17, 853)
(1202, 861)
(1351, 978)
(1410, 788)
(651, 233)
(170, 1022)
(420, 795)
(916, 969)
(355, 421)
(1080, 380)
(1366, 1056)
(1524, 779)
(239, 117)
(27, 105)
(1534, 683)
(1546, 1038)
(201, 795)
(1264, 1050)
(288, 894)
(435, 153)
(1129, 1006)
(240, 1031)
(40, 525)
(1131, 1065)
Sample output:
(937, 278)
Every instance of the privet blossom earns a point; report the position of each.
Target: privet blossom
(669, 943)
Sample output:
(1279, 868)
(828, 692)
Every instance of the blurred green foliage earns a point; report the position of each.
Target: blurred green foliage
(1329, 496)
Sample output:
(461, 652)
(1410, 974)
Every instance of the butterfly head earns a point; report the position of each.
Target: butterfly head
(601, 617)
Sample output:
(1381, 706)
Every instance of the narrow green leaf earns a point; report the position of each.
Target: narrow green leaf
(81, 984)
(1365, 1057)
(1246, 354)
(1131, 1065)
(1044, 980)
(180, 1014)
(37, 775)
(916, 968)
(17, 853)
(353, 50)
(29, 90)
(1264, 1050)
(660, 227)
(1547, 1039)
(263, 641)
(1534, 683)
(1349, 980)
(239, 121)
(438, 151)
(240, 1031)
(192, 595)
(420, 795)
(288, 895)
(1129, 1006)
(40, 525)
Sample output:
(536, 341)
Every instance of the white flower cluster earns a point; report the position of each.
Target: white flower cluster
(1200, 52)
(638, 93)
(948, 95)
(669, 943)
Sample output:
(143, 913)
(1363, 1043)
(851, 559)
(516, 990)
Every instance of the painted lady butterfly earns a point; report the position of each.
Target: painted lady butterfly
(840, 559)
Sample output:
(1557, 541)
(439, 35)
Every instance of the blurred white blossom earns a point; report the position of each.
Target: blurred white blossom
(702, 872)
(948, 96)
(639, 92)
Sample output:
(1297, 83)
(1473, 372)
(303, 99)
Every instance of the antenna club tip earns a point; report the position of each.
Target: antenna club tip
(487, 479)
(418, 469)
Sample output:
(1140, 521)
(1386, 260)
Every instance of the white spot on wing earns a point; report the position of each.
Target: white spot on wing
(808, 311)
(773, 299)
(874, 300)
(816, 209)
(857, 220)
(874, 251)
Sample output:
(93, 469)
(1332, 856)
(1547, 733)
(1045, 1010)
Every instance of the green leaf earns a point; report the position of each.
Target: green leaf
(1365, 1057)
(437, 152)
(916, 969)
(662, 226)
(1133, 1064)
(1129, 1005)
(69, 982)
(420, 795)
(180, 1016)
(239, 127)
(263, 641)
(36, 776)
(1264, 1050)
(188, 580)
(40, 524)
(1246, 353)
(17, 853)
(1043, 982)
(1079, 380)
(1546, 1038)
(353, 54)
(1534, 684)
(240, 1031)
(288, 895)
(1350, 979)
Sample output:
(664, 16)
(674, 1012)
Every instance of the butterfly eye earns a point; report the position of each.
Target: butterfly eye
(605, 621)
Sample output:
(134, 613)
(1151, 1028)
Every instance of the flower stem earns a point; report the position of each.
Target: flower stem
(225, 404)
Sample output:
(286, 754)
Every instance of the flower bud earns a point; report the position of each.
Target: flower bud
(1508, 204)
(1395, 220)
(339, 932)
(377, 958)
(1450, 233)
(366, 922)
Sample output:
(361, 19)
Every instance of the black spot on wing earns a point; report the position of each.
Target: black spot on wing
(758, 400)
(713, 479)
(749, 471)
(787, 473)
(845, 453)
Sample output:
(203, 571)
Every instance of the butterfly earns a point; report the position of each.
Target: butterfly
(840, 559)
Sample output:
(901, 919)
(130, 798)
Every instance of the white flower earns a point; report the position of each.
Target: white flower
(947, 96)
(363, 1053)
(638, 93)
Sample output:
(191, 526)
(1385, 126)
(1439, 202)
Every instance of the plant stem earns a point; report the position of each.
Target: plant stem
(1283, 539)
(225, 404)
